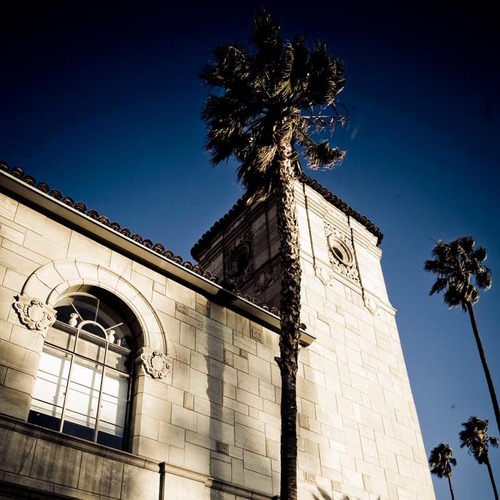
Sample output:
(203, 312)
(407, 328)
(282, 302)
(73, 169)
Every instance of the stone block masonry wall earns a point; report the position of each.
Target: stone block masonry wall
(205, 416)
(55, 466)
(353, 385)
(211, 421)
(358, 429)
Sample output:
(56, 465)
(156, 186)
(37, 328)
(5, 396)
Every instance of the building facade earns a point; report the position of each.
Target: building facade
(127, 372)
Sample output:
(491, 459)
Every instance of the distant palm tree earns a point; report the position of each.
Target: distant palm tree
(475, 437)
(455, 264)
(440, 461)
(257, 116)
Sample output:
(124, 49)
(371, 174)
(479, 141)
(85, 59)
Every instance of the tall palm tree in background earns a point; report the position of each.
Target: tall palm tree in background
(475, 437)
(455, 264)
(440, 461)
(260, 111)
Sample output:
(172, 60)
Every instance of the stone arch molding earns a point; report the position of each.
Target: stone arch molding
(50, 281)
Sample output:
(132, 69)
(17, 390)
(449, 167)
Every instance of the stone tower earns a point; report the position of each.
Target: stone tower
(358, 430)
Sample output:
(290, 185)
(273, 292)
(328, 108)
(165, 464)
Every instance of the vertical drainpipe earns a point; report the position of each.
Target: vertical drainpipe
(162, 481)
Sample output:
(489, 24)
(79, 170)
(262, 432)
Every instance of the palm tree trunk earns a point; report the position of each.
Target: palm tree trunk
(492, 479)
(451, 488)
(486, 369)
(290, 320)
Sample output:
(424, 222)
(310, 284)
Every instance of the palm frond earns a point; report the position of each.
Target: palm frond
(456, 264)
(475, 437)
(299, 75)
(441, 460)
(257, 98)
(230, 68)
(326, 78)
(484, 278)
(439, 285)
(266, 32)
(323, 155)
(480, 254)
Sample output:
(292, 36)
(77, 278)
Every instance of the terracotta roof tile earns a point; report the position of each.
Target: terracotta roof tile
(238, 207)
(18, 173)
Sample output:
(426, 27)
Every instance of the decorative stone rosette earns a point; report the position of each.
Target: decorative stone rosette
(34, 313)
(155, 363)
(239, 266)
(341, 253)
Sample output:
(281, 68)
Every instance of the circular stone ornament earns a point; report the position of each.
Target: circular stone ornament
(340, 250)
(238, 260)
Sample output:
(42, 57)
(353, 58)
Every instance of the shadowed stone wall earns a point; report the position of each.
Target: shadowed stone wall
(359, 433)
(204, 421)
(205, 414)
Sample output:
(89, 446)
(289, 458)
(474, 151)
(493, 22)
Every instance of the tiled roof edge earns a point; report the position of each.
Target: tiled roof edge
(18, 173)
(344, 207)
(79, 206)
(221, 224)
(238, 207)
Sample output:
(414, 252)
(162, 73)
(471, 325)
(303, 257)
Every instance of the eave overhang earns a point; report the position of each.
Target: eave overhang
(75, 219)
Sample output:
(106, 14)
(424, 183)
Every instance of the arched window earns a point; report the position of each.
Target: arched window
(83, 385)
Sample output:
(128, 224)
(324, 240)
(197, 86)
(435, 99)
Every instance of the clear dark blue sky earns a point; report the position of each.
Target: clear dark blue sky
(102, 101)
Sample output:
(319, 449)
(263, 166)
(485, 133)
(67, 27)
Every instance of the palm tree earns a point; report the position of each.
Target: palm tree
(455, 264)
(256, 115)
(475, 437)
(440, 461)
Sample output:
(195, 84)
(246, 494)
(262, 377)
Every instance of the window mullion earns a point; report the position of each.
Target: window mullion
(103, 374)
(98, 303)
(76, 310)
(126, 433)
(68, 384)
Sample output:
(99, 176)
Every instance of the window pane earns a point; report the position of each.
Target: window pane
(125, 341)
(117, 359)
(80, 429)
(113, 409)
(109, 317)
(90, 308)
(113, 441)
(52, 378)
(79, 418)
(60, 338)
(113, 382)
(85, 306)
(86, 373)
(89, 349)
(83, 400)
(83, 393)
(114, 399)
(109, 411)
(46, 408)
(64, 310)
(94, 329)
(47, 421)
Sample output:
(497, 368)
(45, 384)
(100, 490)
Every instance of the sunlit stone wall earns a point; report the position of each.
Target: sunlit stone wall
(205, 413)
(359, 434)
(205, 418)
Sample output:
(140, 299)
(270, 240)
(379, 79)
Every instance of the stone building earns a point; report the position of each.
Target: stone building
(129, 373)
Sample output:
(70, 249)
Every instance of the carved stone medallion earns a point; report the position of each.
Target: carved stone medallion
(156, 364)
(34, 313)
(341, 253)
(238, 266)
